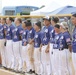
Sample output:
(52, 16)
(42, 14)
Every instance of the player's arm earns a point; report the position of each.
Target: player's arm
(31, 41)
(48, 46)
(47, 49)
(68, 41)
(40, 47)
(70, 48)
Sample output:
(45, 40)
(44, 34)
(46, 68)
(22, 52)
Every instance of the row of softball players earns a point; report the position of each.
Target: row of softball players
(50, 48)
(33, 50)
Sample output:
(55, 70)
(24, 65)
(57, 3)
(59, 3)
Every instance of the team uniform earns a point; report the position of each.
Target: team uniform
(61, 53)
(30, 49)
(9, 47)
(24, 50)
(64, 54)
(74, 49)
(2, 48)
(52, 35)
(45, 57)
(37, 59)
(56, 46)
(17, 32)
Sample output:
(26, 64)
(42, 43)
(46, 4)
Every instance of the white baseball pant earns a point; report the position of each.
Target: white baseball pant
(17, 56)
(61, 64)
(55, 64)
(74, 61)
(24, 57)
(2, 51)
(37, 61)
(51, 57)
(10, 55)
(45, 58)
(30, 57)
(64, 62)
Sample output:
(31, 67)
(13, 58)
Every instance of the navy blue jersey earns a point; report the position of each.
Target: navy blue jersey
(62, 41)
(24, 37)
(56, 41)
(1, 32)
(9, 32)
(66, 39)
(5, 27)
(46, 34)
(74, 40)
(37, 39)
(17, 33)
(52, 35)
(31, 34)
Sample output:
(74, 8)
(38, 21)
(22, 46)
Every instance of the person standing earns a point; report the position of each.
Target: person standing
(9, 46)
(30, 48)
(73, 19)
(37, 48)
(45, 56)
(56, 47)
(66, 49)
(17, 33)
(2, 41)
(54, 21)
(24, 47)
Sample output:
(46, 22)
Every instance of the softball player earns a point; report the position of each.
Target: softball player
(3, 53)
(24, 47)
(45, 56)
(56, 45)
(66, 48)
(30, 47)
(37, 48)
(17, 32)
(9, 51)
(74, 42)
(54, 20)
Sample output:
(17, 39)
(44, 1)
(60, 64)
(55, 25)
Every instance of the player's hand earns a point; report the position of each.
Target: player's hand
(47, 50)
(24, 43)
(31, 41)
(70, 51)
(40, 49)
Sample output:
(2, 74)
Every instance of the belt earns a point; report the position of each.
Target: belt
(62, 49)
(44, 44)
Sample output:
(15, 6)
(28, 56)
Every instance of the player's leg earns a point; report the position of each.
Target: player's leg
(20, 58)
(23, 55)
(37, 61)
(74, 61)
(2, 52)
(16, 54)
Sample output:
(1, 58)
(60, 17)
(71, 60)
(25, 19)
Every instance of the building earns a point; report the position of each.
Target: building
(18, 10)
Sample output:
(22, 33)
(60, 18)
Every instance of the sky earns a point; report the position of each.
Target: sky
(38, 3)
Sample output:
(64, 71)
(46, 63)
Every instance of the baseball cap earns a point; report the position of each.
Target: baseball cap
(47, 18)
